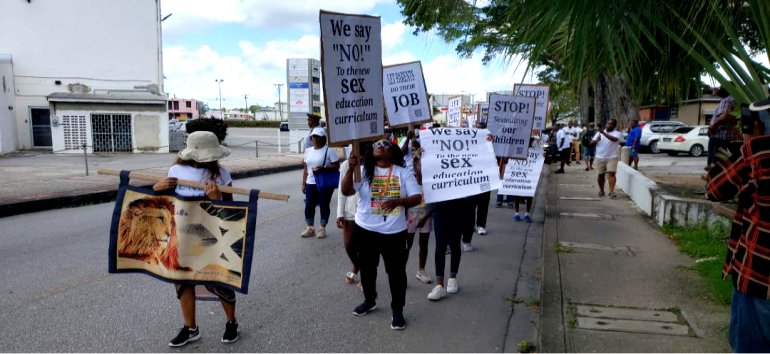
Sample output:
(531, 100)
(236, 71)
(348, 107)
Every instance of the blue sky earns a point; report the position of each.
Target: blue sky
(246, 43)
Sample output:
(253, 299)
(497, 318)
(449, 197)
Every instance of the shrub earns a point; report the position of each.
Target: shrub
(216, 126)
(252, 123)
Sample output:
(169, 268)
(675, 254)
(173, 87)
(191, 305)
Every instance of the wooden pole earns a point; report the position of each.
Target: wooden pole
(188, 183)
(357, 171)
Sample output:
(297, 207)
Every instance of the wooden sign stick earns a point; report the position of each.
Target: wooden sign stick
(357, 171)
(188, 183)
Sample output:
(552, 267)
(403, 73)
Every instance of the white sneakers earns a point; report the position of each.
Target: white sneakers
(466, 247)
(423, 276)
(309, 232)
(451, 286)
(481, 231)
(437, 293)
(321, 233)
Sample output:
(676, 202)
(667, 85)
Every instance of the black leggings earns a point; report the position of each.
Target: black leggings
(392, 247)
(448, 219)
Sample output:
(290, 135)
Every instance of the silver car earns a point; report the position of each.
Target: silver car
(651, 132)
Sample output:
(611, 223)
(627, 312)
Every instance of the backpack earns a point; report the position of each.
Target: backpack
(585, 140)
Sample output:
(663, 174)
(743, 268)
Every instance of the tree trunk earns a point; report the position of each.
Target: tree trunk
(613, 99)
(585, 101)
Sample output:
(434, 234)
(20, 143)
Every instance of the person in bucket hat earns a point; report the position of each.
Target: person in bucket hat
(199, 161)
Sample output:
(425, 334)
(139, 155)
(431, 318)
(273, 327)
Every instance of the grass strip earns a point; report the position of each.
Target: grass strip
(706, 244)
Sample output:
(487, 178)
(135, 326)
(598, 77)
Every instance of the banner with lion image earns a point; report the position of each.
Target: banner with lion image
(182, 240)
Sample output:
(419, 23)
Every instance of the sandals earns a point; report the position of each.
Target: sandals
(351, 278)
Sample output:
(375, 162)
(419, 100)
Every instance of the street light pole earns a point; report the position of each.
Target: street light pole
(280, 108)
(221, 114)
(246, 101)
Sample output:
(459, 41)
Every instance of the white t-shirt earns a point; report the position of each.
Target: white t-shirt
(567, 142)
(385, 185)
(315, 158)
(197, 175)
(606, 149)
(576, 131)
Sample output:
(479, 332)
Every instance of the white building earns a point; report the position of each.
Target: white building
(82, 71)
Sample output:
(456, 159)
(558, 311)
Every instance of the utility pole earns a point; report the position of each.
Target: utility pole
(246, 101)
(221, 114)
(280, 108)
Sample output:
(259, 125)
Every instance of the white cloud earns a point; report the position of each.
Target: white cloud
(267, 14)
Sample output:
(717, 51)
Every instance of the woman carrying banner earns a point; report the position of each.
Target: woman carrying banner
(199, 161)
(318, 158)
(386, 190)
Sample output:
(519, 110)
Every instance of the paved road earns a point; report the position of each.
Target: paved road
(57, 295)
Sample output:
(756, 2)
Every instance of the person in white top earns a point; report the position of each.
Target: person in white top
(564, 144)
(346, 213)
(574, 132)
(317, 158)
(607, 151)
(386, 190)
(199, 162)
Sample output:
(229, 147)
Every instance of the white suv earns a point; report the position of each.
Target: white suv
(651, 132)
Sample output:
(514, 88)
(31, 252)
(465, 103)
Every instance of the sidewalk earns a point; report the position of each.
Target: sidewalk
(614, 283)
(33, 181)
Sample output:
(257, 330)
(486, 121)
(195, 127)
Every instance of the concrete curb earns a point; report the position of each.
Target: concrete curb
(552, 334)
(66, 200)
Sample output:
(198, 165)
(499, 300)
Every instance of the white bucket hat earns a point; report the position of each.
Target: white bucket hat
(203, 146)
(318, 132)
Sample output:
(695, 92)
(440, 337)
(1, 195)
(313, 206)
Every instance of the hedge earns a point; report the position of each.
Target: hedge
(252, 123)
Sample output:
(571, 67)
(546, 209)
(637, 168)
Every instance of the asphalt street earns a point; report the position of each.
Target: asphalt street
(58, 296)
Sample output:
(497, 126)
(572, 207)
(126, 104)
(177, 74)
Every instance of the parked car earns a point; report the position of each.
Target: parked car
(691, 140)
(651, 132)
(284, 126)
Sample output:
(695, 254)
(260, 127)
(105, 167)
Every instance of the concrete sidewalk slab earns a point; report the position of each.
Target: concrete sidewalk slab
(651, 276)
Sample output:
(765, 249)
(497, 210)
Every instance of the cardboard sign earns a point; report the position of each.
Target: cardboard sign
(510, 121)
(351, 61)
(406, 97)
(456, 163)
(483, 112)
(541, 93)
(522, 176)
(454, 111)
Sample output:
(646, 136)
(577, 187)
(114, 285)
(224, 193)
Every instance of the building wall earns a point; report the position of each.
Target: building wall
(147, 124)
(688, 113)
(177, 108)
(7, 116)
(106, 45)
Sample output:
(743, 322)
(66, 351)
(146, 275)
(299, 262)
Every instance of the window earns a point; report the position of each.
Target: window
(74, 132)
(703, 131)
(111, 132)
(188, 104)
(169, 105)
(176, 105)
(682, 130)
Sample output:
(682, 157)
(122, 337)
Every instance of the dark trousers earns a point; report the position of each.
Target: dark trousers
(447, 226)
(482, 208)
(392, 248)
(313, 197)
(469, 217)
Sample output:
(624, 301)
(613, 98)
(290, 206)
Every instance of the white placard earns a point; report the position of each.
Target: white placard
(456, 163)
(483, 113)
(541, 93)
(471, 121)
(351, 59)
(522, 176)
(406, 98)
(510, 121)
(454, 111)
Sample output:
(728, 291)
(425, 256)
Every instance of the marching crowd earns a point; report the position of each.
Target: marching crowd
(382, 211)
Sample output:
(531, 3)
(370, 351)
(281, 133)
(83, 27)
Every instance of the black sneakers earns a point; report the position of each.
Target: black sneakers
(186, 335)
(231, 332)
(364, 308)
(397, 322)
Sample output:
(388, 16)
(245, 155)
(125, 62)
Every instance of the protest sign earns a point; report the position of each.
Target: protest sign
(454, 111)
(406, 97)
(456, 163)
(471, 120)
(351, 61)
(483, 112)
(522, 176)
(510, 121)
(541, 93)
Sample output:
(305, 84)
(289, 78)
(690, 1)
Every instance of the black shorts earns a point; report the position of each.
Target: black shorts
(224, 294)
(564, 154)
